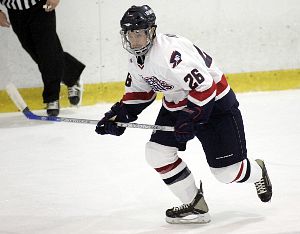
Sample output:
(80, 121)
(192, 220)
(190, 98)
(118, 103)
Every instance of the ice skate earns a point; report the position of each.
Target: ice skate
(264, 186)
(52, 108)
(194, 212)
(75, 94)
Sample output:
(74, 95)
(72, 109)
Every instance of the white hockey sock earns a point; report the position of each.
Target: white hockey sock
(173, 171)
(255, 174)
(185, 190)
(246, 171)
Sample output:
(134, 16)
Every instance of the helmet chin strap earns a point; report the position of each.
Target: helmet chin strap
(141, 51)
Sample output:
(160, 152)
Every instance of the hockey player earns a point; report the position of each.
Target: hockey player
(197, 101)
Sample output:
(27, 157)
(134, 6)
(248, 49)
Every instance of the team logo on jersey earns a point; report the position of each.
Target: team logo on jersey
(175, 58)
(158, 85)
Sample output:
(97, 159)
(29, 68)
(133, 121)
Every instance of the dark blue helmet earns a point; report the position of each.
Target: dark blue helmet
(138, 17)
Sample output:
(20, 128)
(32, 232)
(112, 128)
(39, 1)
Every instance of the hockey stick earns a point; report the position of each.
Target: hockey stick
(22, 106)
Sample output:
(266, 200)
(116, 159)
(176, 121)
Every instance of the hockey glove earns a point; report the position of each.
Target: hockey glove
(111, 128)
(107, 124)
(185, 124)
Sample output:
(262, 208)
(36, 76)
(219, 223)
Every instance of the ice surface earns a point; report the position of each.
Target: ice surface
(61, 178)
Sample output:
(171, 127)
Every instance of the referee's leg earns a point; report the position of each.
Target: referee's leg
(49, 51)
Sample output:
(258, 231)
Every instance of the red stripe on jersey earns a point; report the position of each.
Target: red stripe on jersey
(169, 167)
(201, 96)
(240, 172)
(174, 105)
(222, 85)
(138, 96)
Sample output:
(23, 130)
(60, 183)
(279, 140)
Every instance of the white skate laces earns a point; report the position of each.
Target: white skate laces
(182, 207)
(75, 94)
(194, 212)
(53, 105)
(53, 108)
(263, 186)
(260, 186)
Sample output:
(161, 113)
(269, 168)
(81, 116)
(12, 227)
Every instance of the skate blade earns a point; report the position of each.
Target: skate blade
(190, 219)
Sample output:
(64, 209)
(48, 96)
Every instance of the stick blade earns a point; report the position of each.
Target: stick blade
(15, 96)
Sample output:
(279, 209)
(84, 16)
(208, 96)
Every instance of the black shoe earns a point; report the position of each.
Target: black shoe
(75, 94)
(264, 186)
(194, 212)
(53, 108)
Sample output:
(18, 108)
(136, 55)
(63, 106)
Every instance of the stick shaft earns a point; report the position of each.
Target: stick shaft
(22, 106)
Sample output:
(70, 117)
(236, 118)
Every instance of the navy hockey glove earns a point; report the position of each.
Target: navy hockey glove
(107, 125)
(111, 128)
(185, 124)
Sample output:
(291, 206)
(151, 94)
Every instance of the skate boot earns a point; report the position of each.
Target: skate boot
(194, 212)
(75, 94)
(53, 108)
(264, 186)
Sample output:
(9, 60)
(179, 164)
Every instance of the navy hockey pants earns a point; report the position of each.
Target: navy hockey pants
(222, 137)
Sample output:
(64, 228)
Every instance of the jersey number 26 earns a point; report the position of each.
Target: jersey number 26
(194, 79)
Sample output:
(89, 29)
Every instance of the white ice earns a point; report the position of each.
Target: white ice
(63, 178)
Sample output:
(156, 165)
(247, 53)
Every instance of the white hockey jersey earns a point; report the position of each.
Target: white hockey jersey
(177, 68)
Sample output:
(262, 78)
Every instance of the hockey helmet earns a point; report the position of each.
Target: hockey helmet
(138, 18)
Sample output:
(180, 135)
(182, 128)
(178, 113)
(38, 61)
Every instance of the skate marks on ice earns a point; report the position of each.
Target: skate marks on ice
(153, 222)
(119, 222)
(128, 221)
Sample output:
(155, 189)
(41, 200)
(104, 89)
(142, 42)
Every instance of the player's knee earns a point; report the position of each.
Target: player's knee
(233, 173)
(158, 155)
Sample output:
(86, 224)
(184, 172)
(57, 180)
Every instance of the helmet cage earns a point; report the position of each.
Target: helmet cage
(150, 34)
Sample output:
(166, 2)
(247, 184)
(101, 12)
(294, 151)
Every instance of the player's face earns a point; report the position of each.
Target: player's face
(137, 38)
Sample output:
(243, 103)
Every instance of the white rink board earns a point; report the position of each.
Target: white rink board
(242, 36)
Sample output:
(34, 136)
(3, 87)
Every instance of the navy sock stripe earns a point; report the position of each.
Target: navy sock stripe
(178, 177)
(247, 175)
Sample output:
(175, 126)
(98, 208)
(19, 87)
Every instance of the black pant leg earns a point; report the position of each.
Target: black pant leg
(50, 52)
(20, 22)
(72, 69)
